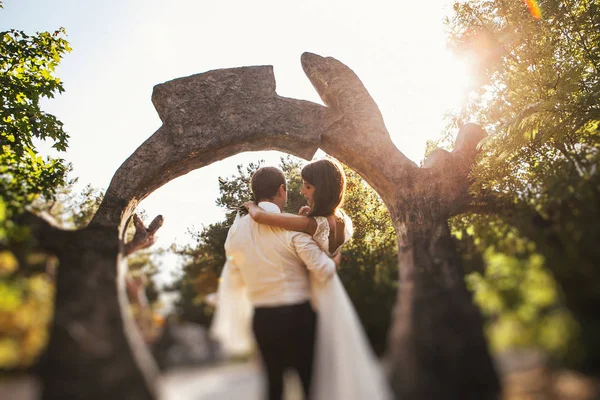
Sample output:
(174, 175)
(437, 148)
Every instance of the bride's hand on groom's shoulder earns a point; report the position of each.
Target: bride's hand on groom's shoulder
(252, 208)
(304, 210)
(248, 204)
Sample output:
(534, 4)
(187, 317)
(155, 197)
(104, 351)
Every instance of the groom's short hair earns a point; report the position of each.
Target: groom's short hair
(265, 183)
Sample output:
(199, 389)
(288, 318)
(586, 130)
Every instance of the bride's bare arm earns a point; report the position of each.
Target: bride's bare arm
(290, 222)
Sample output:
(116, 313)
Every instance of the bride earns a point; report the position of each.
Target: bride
(345, 366)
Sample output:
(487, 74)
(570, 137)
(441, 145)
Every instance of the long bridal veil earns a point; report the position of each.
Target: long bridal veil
(345, 365)
(232, 321)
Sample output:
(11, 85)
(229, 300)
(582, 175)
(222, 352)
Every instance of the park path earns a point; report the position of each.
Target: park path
(227, 382)
(244, 381)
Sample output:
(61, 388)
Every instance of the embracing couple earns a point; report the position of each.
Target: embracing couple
(279, 289)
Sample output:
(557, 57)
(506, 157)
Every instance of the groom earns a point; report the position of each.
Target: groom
(274, 265)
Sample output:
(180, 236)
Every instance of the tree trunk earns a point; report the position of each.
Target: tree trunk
(89, 354)
(437, 347)
(436, 343)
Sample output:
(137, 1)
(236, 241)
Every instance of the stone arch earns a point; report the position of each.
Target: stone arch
(211, 116)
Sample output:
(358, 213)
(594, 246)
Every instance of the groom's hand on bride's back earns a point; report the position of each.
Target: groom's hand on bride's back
(337, 259)
(304, 210)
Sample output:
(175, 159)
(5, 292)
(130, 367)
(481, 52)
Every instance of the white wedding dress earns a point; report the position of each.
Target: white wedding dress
(345, 367)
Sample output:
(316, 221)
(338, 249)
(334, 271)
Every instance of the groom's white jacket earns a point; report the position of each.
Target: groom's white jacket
(273, 263)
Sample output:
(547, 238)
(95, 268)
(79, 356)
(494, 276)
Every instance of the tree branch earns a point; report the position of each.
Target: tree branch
(466, 143)
(143, 237)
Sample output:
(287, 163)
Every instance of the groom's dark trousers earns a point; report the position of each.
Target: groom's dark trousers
(286, 339)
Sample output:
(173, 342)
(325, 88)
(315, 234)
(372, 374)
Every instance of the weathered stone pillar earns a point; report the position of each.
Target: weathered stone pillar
(436, 344)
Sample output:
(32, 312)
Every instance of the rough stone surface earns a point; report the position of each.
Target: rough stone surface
(206, 118)
(436, 344)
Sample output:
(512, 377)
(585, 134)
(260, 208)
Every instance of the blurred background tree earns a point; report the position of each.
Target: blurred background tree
(27, 281)
(28, 181)
(532, 240)
(368, 270)
(27, 65)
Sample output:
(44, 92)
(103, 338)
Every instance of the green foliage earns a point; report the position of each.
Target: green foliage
(513, 287)
(69, 208)
(368, 270)
(27, 280)
(521, 296)
(27, 64)
(26, 309)
(75, 210)
(537, 95)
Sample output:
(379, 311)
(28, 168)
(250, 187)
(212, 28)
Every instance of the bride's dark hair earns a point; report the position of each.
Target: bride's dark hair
(329, 180)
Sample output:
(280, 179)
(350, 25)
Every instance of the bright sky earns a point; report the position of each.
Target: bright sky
(122, 48)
